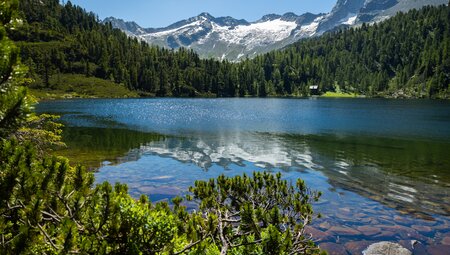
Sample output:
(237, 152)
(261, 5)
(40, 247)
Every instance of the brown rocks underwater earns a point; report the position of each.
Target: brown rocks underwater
(381, 231)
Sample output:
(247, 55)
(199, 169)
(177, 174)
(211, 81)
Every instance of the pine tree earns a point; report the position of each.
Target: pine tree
(14, 103)
(261, 213)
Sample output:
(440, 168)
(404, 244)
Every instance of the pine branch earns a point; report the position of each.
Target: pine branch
(189, 246)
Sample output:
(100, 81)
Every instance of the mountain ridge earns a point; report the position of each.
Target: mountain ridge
(231, 38)
(236, 39)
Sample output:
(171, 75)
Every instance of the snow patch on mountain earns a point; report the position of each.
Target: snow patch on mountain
(350, 19)
(309, 29)
(183, 29)
(257, 33)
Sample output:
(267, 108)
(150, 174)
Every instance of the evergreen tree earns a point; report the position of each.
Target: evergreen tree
(261, 214)
(14, 103)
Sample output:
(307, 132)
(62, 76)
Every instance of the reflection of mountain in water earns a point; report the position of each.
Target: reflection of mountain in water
(411, 176)
(269, 152)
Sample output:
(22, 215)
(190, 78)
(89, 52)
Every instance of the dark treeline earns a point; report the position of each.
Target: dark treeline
(407, 54)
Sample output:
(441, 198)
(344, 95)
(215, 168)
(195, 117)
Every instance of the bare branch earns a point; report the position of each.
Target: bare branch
(189, 246)
(47, 236)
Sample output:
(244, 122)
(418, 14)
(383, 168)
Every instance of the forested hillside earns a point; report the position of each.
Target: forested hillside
(405, 55)
(57, 40)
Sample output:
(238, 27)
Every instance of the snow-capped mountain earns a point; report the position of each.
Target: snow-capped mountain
(232, 39)
(226, 37)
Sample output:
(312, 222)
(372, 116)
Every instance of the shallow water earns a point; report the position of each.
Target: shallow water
(383, 165)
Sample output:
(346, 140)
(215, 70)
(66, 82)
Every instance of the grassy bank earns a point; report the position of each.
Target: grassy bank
(339, 94)
(79, 86)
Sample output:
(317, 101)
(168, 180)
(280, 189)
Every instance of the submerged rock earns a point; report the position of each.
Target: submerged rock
(357, 247)
(438, 249)
(421, 228)
(368, 230)
(344, 231)
(446, 240)
(317, 234)
(325, 225)
(386, 248)
(333, 248)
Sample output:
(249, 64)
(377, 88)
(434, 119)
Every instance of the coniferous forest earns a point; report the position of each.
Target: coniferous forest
(405, 55)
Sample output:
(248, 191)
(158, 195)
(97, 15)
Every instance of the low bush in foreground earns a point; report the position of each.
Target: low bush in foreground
(49, 207)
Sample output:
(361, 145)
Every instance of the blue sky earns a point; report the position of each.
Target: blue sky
(161, 13)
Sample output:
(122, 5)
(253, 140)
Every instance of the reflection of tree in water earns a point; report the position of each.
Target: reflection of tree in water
(92, 146)
(411, 176)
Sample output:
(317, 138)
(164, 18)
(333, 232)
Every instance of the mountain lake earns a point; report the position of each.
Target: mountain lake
(383, 165)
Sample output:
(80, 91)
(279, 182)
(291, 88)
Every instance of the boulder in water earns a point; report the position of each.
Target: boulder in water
(386, 248)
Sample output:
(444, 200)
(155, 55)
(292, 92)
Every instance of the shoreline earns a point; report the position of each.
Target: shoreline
(37, 94)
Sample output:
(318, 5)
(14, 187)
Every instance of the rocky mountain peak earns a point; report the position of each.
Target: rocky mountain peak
(130, 27)
(205, 15)
(268, 17)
